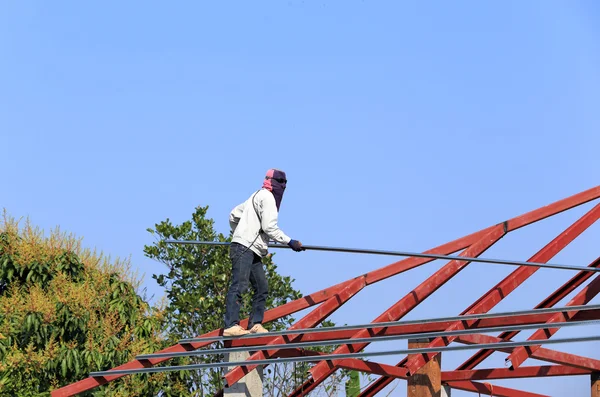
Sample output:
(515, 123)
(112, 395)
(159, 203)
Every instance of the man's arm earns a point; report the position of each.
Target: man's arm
(269, 220)
(235, 215)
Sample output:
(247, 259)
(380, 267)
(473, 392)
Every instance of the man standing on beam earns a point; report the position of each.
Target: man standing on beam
(254, 223)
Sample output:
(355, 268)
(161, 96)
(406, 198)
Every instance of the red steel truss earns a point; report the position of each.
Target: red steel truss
(465, 377)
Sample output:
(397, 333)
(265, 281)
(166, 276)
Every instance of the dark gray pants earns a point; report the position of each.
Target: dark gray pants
(246, 267)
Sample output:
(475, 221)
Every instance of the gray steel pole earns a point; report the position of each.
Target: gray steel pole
(328, 357)
(406, 254)
(398, 323)
(352, 341)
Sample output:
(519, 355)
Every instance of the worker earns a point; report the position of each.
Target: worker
(254, 223)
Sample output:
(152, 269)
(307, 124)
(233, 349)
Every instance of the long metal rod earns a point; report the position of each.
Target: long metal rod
(404, 253)
(329, 357)
(467, 317)
(331, 342)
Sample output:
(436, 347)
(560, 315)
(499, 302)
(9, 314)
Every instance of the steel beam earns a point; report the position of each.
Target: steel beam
(322, 370)
(401, 373)
(407, 254)
(326, 358)
(371, 277)
(509, 225)
(425, 328)
(550, 301)
(254, 339)
(270, 315)
(505, 373)
(513, 280)
(501, 290)
(310, 320)
(392, 371)
(487, 389)
(543, 354)
(282, 344)
(388, 271)
(517, 357)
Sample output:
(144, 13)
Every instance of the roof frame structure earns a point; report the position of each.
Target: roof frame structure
(466, 376)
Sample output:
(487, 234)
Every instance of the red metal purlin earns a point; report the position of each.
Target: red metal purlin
(453, 379)
(311, 320)
(550, 301)
(421, 328)
(323, 295)
(373, 367)
(396, 372)
(505, 373)
(502, 289)
(270, 315)
(485, 389)
(552, 356)
(412, 299)
(399, 309)
(330, 294)
(278, 312)
(510, 283)
(511, 225)
(461, 375)
(583, 297)
(400, 373)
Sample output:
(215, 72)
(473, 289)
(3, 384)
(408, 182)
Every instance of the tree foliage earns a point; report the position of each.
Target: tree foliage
(66, 311)
(196, 283)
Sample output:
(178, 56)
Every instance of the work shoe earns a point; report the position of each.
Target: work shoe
(258, 329)
(236, 330)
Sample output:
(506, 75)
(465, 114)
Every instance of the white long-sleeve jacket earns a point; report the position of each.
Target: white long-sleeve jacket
(246, 223)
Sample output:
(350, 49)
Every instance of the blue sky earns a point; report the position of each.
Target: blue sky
(401, 126)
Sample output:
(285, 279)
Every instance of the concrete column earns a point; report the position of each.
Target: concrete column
(250, 385)
(427, 382)
(595, 384)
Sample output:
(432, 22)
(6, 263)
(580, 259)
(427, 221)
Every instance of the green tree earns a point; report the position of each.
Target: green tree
(196, 284)
(66, 311)
(353, 384)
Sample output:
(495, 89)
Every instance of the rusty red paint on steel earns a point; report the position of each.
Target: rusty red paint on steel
(429, 285)
(512, 280)
(373, 367)
(400, 373)
(543, 354)
(388, 271)
(412, 299)
(510, 283)
(446, 273)
(309, 321)
(550, 301)
(511, 225)
(486, 389)
(399, 309)
(564, 238)
(275, 313)
(505, 373)
(278, 312)
(421, 328)
(583, 297)
(392, 371)
(270, 315)
(579, 363)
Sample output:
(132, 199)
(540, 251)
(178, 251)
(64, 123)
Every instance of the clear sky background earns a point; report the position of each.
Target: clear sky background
(400, 125)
